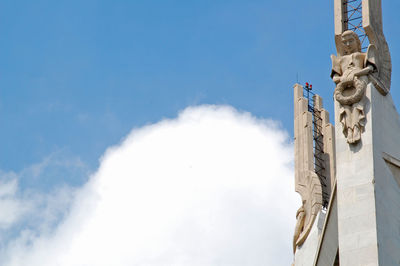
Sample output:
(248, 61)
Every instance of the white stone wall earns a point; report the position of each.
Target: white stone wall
(305, 254)
(356, 195)
(386, 139)
(368, 195)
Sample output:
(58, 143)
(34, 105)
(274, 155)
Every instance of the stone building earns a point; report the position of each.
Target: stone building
(348, 175)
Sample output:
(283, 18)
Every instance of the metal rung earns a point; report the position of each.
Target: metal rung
(347, 20)
(318, 144)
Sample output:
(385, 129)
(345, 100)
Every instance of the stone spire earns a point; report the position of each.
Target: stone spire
(314, 164)
(362, 220)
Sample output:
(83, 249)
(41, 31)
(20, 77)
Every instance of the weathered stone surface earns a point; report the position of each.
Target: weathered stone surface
(328, 242)
(363, 217)
(372, 24)
(306, 252)
(350, 70)
(307, 182)
(368, 170)
(367, 190)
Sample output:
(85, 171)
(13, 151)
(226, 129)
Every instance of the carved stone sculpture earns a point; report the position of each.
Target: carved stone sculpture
(311, 193)
(350, 71)
(372, 24)
(300, 217)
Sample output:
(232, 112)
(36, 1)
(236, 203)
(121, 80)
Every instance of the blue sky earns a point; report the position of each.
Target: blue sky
(76, 76)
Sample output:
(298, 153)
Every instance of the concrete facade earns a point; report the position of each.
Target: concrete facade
(362, 224)
(310, 246)
(372, 24)
(311, 179)
(368, 192)
(307, 183)
(386, 150)
(328, 245)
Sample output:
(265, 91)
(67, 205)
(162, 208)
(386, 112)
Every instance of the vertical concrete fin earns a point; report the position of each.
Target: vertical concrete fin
(307, 183)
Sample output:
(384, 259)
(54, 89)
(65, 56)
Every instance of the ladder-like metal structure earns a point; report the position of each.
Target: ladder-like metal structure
(318, 144)
(352, 20)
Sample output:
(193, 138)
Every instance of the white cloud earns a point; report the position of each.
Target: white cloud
(11, 208)
(211, 187)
